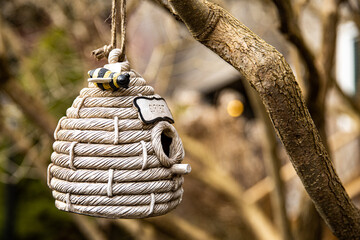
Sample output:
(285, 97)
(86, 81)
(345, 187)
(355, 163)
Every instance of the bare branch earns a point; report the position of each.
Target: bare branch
(350, 102)
(89, 229)
(166, 6)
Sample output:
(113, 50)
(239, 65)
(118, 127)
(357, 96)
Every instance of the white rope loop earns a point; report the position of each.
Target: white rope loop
(58, 127)
(68, 203)
(79, 107)
(152, 204)
(49, 175)
(144, 155)
(176, 150)
(71, 155)
(110, 183)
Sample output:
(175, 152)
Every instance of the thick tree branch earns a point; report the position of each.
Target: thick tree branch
(290, 28)
(309, 224)
(271, 76)
(272, 164)
(315, 82)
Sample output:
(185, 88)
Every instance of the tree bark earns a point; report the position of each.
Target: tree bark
(314, 83)
(318, 80)
(271, 76)
(272, 165)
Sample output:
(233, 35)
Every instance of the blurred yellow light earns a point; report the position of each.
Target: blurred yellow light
(235, 108)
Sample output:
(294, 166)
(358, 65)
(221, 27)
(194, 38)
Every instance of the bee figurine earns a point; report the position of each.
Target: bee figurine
(106, 80)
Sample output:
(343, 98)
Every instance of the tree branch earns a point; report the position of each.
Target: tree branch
(290, 28)
(315, 84)
(178, 227)
(272, 164)
(355, 107)
(309, 222)
(167, 7)
(271, 76)
(218, 179)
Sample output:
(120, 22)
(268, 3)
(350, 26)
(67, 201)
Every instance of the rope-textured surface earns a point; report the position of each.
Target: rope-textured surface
(108, 163)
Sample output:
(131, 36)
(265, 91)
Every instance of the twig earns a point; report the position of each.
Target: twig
(178, 228)
(351, 103)
(137, 228)
(167, 7)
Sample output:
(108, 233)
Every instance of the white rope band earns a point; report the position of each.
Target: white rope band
(71, 156)
(110, 183)
(152, 204)
(116, 130)
(144, 155)
(68, 202)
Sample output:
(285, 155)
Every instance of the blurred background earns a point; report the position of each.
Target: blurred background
(242, 185)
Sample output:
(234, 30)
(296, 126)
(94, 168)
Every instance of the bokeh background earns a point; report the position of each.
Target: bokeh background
(241, 179)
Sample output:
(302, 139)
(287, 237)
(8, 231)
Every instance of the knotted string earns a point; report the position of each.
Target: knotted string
(118, 14)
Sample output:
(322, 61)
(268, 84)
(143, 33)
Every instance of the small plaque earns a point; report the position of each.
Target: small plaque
(152, 109)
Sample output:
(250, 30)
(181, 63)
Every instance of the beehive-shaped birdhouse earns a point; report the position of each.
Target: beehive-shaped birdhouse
(116, 153)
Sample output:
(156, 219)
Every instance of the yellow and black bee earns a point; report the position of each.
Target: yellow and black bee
(106, 80)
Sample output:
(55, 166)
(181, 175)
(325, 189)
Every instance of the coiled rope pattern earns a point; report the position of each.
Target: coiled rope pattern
(108, 163)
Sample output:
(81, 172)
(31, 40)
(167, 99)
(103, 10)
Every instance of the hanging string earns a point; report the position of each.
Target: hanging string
(122, 29)
(118, 14)
(113, 23)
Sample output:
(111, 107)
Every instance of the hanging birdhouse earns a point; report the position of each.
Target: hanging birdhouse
(116, 153)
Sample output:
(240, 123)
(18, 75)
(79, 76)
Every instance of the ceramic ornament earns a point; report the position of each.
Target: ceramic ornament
(116, 153)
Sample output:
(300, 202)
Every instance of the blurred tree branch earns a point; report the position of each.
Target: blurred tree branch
(88, 228)
(353, 104)
(290, 28)
(210, 173)
(30, 106)
(178, 228)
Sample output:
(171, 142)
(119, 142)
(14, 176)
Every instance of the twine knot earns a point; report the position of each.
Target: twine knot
(102, 52)
(118, 14)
